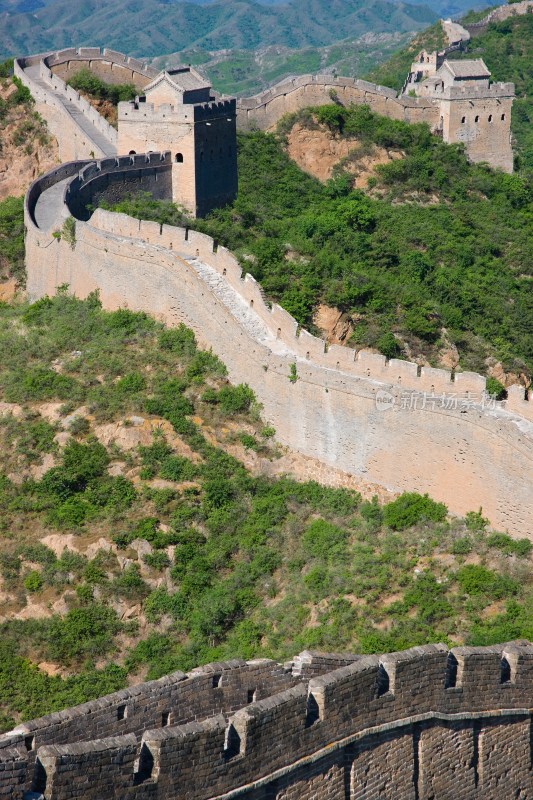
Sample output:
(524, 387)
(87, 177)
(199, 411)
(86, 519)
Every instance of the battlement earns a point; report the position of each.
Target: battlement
(167, 112)
(216, 750)
(90, 54)
(284, 330)
(472, 92)
(438, 430)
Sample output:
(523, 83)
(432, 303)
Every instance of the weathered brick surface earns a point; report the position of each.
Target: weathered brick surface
(383, 767)
(380, 727)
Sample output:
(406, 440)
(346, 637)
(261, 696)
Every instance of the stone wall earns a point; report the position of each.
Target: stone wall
(112, 179)
(393, 424)
(424, 723)
(265, 109)
(110, 65)
(177, 699)
(483, 141)
(499, 14)
(46, 75)
(73, 141)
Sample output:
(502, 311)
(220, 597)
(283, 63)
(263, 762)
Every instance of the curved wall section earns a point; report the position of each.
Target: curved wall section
(429, 432)
(110, 65)
(112, 179)
(420, 724)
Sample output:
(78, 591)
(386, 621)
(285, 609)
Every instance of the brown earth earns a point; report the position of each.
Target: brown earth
(335, 326)
(317, 151)
(26, 148)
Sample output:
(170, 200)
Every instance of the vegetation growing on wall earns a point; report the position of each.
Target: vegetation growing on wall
(176, 554)
(87, 82)
(105, 97)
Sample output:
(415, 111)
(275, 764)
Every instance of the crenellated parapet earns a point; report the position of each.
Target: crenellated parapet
(389, 726)
(395, 424)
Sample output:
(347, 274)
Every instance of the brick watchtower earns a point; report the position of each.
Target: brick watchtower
(178, 112)
(473, 110)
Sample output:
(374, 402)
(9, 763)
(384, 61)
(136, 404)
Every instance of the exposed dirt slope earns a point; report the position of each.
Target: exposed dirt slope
(26, 148)
(317, 151)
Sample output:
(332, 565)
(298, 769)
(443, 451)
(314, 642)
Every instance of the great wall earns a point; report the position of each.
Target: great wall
(391, 423)
(422, 724)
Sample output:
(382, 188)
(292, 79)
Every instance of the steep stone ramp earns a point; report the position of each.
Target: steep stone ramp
(237, 306)
(102, 142)
(49, 209)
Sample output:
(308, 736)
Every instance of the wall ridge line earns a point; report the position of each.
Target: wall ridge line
(388, 726)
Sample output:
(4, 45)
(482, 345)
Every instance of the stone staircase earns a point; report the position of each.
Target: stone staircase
(97, 137)
(238, 307)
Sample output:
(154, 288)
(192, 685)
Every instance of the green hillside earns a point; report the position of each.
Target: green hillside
(208, 561)
(437, 251)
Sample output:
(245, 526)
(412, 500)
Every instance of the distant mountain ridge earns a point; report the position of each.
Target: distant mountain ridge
(154, 27)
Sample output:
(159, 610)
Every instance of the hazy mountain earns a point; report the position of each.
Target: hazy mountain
(154, 27)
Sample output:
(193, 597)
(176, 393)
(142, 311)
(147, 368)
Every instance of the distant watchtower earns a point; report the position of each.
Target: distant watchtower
(180, 113)
(473, 110)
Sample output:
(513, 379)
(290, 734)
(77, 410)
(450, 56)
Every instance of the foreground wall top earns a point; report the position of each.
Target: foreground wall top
(217, 753)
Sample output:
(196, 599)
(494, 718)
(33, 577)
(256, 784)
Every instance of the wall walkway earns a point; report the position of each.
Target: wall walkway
(393, 424)
(80, 130)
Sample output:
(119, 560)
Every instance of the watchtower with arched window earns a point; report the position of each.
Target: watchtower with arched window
(180, 113)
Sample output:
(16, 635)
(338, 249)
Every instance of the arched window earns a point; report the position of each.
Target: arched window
(503, 117)
(463, 120)
(477, 118)
(132, 153)
(451, 672)
(179, 158)
(490, 117)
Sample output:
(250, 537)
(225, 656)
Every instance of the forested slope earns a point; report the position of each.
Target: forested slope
(436, 250)
(134, 541)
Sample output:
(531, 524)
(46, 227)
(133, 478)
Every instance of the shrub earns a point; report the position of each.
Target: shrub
(411, 508)
(180, 340)
(324, 540)
(33, 581)
(132, 383)
(389, 345)
(475, 521)
(476, 580)
(461, 547)
(235, 399)
(157, 561)
(39, 383)
(372, 513)
(496, 389)
(518, 547)
(85, 632)
(248, 441)
(204, 362)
